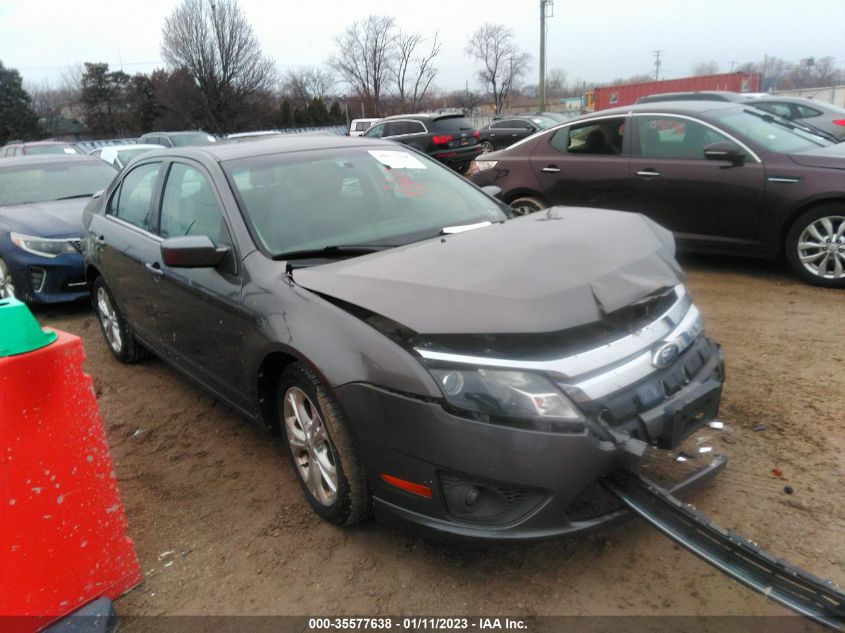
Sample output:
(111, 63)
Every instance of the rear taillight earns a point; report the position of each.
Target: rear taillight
(476, 134)
(839, 121)
(442, 140)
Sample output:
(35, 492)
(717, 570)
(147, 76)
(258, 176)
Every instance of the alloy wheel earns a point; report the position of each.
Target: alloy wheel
(310, 446)
(7, 286)
(109, 320)
(486, 147)
(821, 247)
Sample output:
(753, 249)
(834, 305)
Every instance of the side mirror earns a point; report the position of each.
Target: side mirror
(724, 150)
(492, 190)
(193, 251)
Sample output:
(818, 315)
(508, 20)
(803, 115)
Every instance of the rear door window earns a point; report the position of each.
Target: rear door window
(132, 201)
(603, 138)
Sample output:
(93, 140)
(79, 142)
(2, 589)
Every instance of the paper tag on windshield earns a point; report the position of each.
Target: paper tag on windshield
(397, 160)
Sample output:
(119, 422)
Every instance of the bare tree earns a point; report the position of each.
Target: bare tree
(364, 57)
(502, 61)
(413, 73)
(556, 83)
(705, 68)
(304, 84)
(213, 41)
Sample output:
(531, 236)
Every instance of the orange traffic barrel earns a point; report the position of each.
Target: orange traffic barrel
(63, 531)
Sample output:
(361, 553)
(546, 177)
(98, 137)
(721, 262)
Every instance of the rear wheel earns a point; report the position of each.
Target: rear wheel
(526, 204)
(486, 147)
(115, 330)
(7, 285)
(321, 448)
(815, 246)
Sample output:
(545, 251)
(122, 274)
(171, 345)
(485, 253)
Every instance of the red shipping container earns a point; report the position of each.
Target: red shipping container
(626, 94)
(63, 532)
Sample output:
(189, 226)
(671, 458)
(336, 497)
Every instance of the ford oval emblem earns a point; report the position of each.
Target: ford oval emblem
(665, 355)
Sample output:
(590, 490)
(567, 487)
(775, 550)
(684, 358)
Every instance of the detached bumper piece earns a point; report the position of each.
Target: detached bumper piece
(817, 599)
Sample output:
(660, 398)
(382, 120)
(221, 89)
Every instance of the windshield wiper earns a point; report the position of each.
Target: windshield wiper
(335, 250)
(78, 195)
(792, 125)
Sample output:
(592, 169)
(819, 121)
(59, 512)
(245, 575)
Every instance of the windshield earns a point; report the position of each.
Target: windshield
(771, 132)
(543, 122)
(312, 200)
(31, 150)
(197, 138)
(52, 181)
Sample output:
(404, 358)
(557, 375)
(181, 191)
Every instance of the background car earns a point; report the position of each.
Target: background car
(240, 137)
(36, 147)
(824, 116)
(41, 202)
(120, 155)
(507, 131)
(358, 126)
(724, 177)
(449, 138)
(177, 139)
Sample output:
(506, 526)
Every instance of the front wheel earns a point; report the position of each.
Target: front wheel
(526, 205)
(321, 448)
(486, 147)
(815, 246)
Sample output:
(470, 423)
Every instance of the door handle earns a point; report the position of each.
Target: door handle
(648, 173)
(551, 169)
(154, 268)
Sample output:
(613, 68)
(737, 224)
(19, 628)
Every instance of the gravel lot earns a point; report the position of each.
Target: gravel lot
(221, 526)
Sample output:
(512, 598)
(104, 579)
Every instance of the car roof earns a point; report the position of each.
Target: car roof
(44, 159)
(666, 107)
(177, 133)
(285, 143)
(431, 116)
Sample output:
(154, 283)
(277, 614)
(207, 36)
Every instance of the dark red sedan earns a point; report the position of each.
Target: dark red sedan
(724, 177)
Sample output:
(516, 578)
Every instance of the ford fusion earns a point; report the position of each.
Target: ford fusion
(41, 202)
(421, 353)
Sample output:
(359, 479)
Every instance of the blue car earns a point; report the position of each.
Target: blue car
(41, 203)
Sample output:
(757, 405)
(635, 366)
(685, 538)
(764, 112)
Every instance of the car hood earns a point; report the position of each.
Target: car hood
(45, 219)
(832, 157)
(540, 273)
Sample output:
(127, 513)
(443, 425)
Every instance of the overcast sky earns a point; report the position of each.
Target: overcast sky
(596, 40)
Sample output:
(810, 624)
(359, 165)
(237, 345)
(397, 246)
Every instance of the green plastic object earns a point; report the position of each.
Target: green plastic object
(19, 331)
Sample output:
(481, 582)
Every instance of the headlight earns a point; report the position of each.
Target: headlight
(511, 394)
(45, 247)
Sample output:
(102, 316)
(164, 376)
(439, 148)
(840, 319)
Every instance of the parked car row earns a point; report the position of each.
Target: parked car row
(724, 177)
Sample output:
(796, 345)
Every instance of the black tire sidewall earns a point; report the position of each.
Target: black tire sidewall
(791, 244)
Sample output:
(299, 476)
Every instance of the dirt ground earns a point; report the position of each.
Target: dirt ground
(221, 526)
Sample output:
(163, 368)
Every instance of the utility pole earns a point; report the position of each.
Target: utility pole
(544, 4)
(657, 64)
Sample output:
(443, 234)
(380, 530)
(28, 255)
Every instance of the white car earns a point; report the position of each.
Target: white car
(359, 126)
(120, 155)
(251, 136)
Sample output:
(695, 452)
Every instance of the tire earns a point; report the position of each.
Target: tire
(7, 284)
(317, 433)
(116, 331)
(526, 205)
(487, 147)
(815, 246)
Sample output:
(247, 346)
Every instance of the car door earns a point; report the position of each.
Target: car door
(126, 241)
(584, 164)
(703, 201)
(199, 310)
